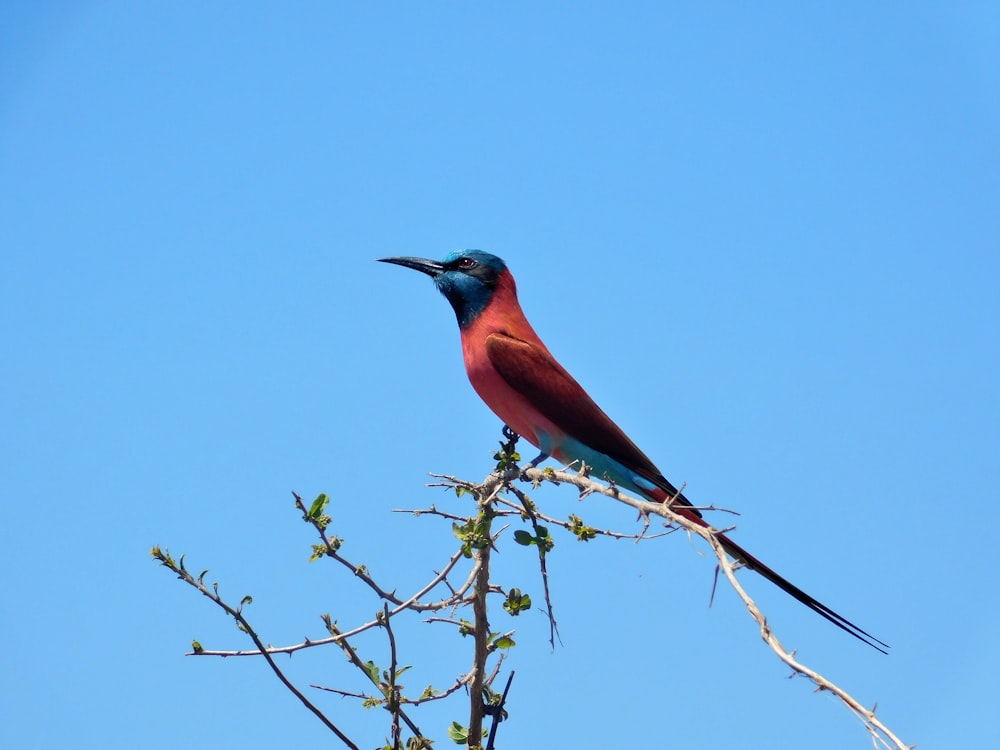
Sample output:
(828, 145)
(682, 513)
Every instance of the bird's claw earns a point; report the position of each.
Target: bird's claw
(533, 463)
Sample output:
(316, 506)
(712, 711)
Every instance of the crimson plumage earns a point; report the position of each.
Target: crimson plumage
(518, 378)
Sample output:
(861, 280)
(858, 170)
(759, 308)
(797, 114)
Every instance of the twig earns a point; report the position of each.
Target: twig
(410, 603)
(236, 612)
(331, 548)
(529, 509)
(352, 656)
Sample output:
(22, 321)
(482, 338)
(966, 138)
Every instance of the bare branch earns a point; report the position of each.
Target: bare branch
(529, 510)
(352, 656)
(236, 612)
(479, 538)
(409, 604)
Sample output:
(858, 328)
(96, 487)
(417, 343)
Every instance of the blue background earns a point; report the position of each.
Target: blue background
(765, 238)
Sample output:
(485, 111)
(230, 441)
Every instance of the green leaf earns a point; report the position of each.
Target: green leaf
(458, 734)
(504, 642)
(196, 647)
(523, 538)
(319, 505)
(373, 671)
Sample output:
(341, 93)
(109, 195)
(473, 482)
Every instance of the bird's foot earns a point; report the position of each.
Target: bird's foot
(533, 463)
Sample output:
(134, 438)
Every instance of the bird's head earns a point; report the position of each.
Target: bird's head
(467, 278)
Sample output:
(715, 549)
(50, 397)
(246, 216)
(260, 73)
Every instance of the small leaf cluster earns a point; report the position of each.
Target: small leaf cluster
(492, 700)
(506, 456)
(516, 602)
(540, 538)
(382, 679)
(474, 533)
(320, 520)
(582, 532)
(315, 515)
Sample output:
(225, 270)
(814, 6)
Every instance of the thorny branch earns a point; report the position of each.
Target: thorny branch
(880, 733)
(481, 634)
(237, 613)
(390, 690)
(480, 540)
(411, 603)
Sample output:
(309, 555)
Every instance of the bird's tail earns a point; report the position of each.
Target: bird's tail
(681, 505)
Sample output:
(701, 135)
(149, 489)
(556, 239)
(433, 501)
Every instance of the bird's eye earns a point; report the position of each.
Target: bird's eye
(466, 263)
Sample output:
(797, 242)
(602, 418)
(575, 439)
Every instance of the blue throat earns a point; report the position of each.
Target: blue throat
(469, 289)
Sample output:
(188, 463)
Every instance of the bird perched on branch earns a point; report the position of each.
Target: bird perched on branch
(519, 379)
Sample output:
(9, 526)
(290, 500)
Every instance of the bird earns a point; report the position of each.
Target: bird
(517, 377)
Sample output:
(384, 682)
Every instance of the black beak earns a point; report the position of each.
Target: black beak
(431, 267)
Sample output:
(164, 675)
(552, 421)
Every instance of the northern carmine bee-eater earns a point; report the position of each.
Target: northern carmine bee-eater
(520, 380)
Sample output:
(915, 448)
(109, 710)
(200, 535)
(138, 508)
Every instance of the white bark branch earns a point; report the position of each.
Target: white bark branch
(881, 735)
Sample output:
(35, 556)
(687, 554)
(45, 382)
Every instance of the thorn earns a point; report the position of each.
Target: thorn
(715, 583)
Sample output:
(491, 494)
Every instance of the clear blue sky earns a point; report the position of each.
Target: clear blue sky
(766, 239)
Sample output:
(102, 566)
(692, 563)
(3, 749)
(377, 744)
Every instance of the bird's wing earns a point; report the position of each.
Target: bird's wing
(534, 373)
